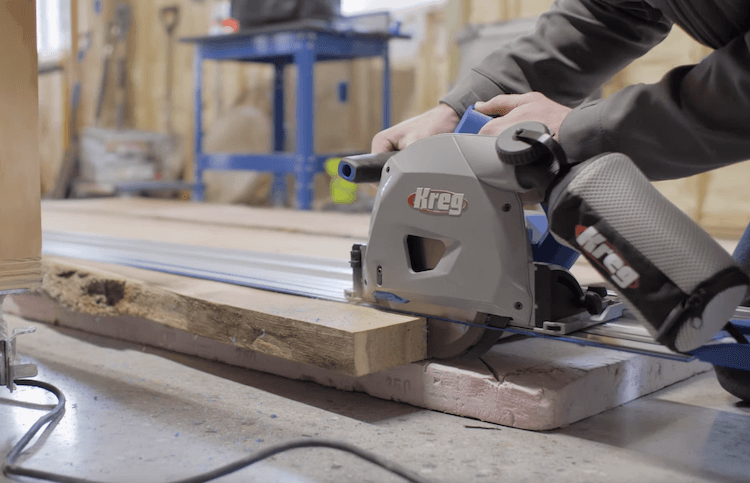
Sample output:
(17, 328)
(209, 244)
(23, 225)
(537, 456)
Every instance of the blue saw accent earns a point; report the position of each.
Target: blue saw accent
(544, 247)
(731, 354)
(471, 122)
(388, 297)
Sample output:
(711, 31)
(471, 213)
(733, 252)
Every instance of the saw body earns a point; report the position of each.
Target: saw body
(431, 249)
(449, 240)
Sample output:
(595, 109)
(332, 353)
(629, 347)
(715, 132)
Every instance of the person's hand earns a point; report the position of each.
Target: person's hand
(515, 108)
(438, 120)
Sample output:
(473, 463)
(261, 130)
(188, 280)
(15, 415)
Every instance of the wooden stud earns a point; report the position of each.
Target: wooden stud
(20, 225)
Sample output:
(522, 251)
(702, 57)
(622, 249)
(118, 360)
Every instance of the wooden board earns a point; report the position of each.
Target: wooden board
(57, 213)
(534, 384)
(340, 337)
(309, 234)
(20, 233)
(345, 338)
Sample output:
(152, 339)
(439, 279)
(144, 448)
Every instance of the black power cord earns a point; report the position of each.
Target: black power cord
(10, 469)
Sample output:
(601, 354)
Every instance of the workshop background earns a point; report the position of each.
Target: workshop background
(190, 334)
(237, 98)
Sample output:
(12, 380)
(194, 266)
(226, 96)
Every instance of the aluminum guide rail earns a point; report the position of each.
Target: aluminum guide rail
(321, 278)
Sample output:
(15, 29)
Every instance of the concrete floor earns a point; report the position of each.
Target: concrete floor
(137, 414)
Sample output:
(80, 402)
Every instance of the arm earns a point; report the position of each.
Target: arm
(576, 47)
(693, 120)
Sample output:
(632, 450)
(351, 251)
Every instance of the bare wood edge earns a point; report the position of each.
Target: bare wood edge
(20, 274)
(83, 289)
(341, 225)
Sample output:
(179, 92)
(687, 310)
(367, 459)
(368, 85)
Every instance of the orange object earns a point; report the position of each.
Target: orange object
(232, 23)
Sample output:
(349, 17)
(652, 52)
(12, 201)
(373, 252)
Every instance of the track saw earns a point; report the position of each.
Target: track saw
(451, 239)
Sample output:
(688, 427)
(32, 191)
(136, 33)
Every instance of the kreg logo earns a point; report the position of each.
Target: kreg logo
(438, 201)
(594, 243)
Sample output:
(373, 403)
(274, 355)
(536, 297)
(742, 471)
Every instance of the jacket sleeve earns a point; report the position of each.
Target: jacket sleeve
(697, 118)
(576, 47)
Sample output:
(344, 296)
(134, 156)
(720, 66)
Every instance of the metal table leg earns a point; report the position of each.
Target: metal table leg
(278, 193)
(305, 60)
(198, 190)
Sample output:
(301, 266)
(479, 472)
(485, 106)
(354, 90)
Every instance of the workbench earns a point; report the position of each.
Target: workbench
(301, 44)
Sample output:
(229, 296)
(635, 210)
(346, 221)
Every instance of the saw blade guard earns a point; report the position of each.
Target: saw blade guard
(448, 236)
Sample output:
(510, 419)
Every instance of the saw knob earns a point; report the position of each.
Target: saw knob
(515, 151)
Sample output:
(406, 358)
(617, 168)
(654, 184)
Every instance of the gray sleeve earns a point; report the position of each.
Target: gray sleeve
(694, 120)
(576, 47)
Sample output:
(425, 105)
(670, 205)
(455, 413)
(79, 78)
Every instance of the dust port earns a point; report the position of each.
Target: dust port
(424, 253)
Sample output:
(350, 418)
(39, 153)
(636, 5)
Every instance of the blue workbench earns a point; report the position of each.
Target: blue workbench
(301, 43)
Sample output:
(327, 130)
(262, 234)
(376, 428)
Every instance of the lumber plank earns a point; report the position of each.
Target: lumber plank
(284, 220)
(345, 338)
(328, 235)
(254, 229)
(340, 337)
(20, 232)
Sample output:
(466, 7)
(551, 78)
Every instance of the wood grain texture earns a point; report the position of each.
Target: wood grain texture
(20, 232)
(352, 226)
(345, 338)
(199, 233)
(340, 337)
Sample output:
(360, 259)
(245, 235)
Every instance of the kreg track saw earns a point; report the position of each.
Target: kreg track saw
(450, 240)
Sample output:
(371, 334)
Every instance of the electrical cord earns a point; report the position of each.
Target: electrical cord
(9, 469)
(15, 452)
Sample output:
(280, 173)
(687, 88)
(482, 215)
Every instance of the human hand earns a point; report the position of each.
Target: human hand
(515, 108)
(438, 120)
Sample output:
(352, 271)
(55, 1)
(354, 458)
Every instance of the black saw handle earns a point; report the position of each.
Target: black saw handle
(364, 168)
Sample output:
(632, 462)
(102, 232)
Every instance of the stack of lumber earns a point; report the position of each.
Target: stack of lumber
(533, 384)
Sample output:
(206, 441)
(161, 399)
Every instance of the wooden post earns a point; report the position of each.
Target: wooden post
(20, 214)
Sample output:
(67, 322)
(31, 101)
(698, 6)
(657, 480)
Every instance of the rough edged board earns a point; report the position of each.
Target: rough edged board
(340, 337)
(20, 226)
(535, 384)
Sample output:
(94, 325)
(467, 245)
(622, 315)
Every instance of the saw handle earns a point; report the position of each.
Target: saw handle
(364, 168)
